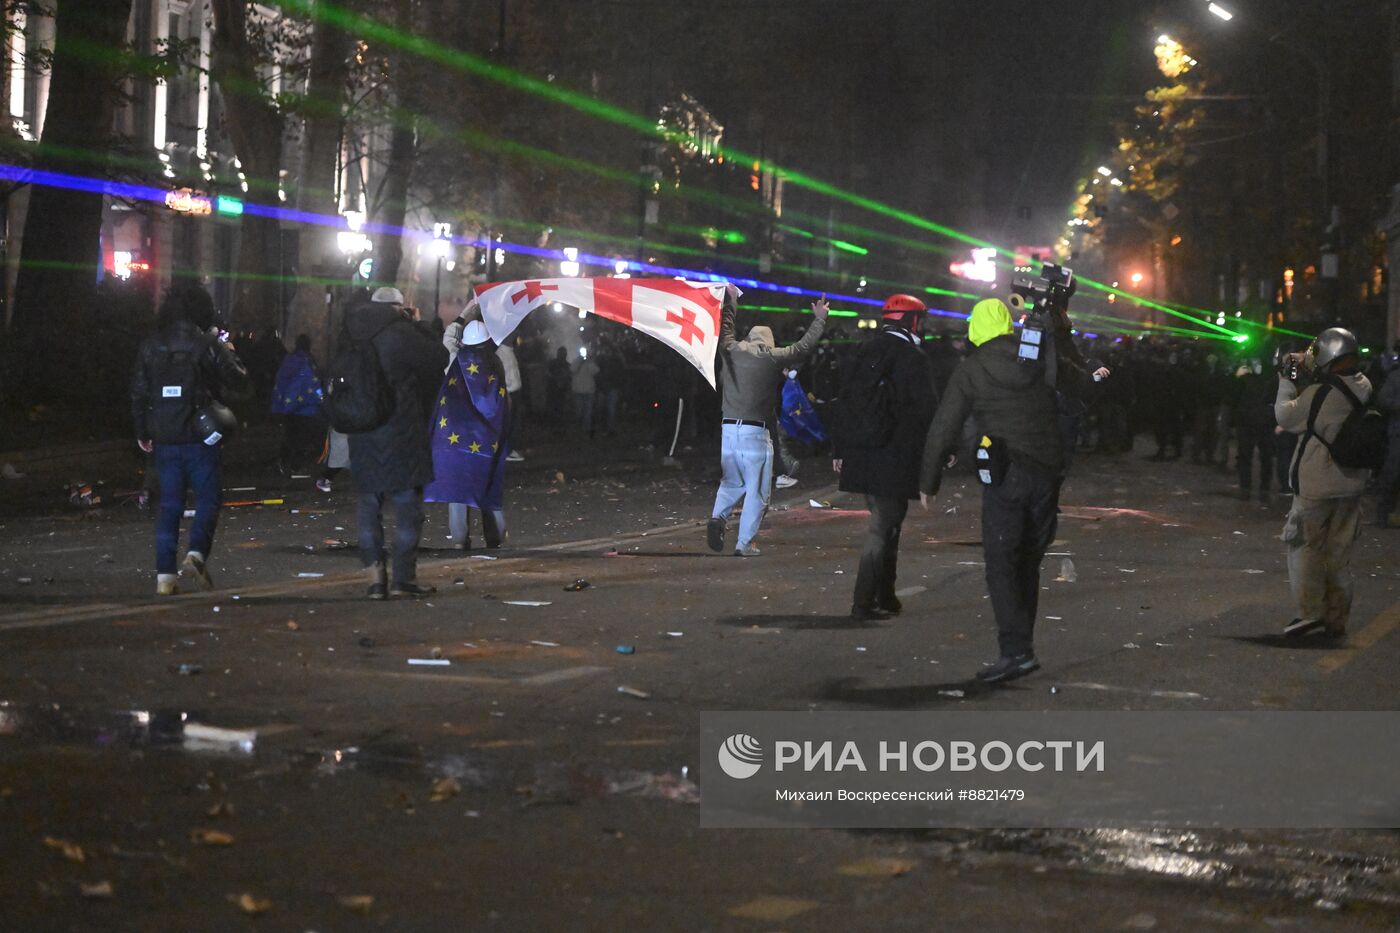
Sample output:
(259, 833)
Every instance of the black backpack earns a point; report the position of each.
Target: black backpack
(179, 391)
(1360, 443)
(359, 397)
(866, 411)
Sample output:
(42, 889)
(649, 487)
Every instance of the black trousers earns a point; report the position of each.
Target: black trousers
(1251, 439)
(879, 556)
(1019, 518)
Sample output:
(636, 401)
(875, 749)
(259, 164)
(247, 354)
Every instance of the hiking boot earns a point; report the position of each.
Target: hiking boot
(194, 566)
(1009, 668)
(869, 614)
(1300, 627)
(750, 551)
(785, 482)
(166, 586)
(714, 534)
(412, 589)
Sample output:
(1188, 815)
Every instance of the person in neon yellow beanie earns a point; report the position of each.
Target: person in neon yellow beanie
(1021, 463)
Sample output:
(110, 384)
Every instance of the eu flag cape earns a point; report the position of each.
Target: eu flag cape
(797, 417)
(297, 390)
(469, 426)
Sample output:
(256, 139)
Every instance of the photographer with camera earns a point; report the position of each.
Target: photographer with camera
(182, 374)
(1020, 462)
(1325, 518)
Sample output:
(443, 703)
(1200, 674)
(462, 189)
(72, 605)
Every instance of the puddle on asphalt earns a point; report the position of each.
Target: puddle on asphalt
(1330, 869)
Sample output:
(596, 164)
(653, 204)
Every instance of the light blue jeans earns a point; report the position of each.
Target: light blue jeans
(746, 455)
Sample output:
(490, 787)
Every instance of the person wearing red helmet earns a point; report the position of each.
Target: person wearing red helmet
(878, 436)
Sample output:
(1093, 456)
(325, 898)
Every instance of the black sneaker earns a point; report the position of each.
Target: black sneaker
(1009, 668)
(891, 604)
(869, 614)
(411, 588)
(714, 534)
(1300, 627)
(377, 591)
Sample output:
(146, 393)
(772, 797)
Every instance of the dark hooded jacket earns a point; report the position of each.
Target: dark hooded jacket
(891, 471)
(398, 455)
(1012, 403)
(218, 374)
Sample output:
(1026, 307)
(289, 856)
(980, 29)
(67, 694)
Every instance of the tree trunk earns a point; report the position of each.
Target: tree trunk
(317, 255)
(392, 205)
(254, 125)
(61, 249)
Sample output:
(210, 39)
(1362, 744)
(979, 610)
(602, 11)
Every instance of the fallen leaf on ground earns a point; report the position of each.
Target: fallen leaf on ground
(210, 837)
(444, 788)
(71, 850)
(250, 904)
(359, 903)
(877, 868)
(100, 889)
(773, 909)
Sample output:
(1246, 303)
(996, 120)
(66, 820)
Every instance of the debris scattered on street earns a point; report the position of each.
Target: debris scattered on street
(634, 692)
(813, 503)
(1067, 572)
(444, 789)
(71, 850)
(625, 649)
(100, 890)
(210, 837)
(187, 669)
(878, 868)
(250, 904)
(430, 662)
(359, 903)
(306, 574)
(956, 694)
(579, 584)
(525, 602)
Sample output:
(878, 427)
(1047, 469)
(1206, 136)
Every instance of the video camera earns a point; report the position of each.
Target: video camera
(1045, 304)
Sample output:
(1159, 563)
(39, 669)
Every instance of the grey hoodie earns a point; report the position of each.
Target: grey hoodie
(753, 368)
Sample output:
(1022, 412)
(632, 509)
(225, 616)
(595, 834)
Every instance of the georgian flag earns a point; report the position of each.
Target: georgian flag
(683, 315)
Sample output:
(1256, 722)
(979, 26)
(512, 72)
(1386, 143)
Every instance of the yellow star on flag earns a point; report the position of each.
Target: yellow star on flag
(495, 447)
(475, 447)
(502, 391)
(442, 422)
(452, 438)
(473, 369)
(452, 381)
(442, 401)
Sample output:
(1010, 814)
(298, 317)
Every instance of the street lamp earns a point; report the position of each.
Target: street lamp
(1136, 278)
(442, 248)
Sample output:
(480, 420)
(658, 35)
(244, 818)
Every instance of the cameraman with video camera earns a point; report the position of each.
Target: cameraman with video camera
(1327, 475)
(1021, 463)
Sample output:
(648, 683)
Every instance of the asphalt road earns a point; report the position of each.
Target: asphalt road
(565, 803)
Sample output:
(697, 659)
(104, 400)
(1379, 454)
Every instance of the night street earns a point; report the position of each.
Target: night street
(566, 802)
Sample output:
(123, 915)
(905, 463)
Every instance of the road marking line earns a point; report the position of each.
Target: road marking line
(554, 677)
(1163, 694)
(1379, 627)
(64, 615)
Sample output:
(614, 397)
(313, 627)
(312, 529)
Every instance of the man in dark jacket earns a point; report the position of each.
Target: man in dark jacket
(1254, 426)
(182, 372)
(1015, 407)
(395, 461)
(890, 375)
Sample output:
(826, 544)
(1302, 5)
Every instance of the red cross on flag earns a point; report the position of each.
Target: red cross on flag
(681, 314)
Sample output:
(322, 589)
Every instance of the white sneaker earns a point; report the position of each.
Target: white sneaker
(750, 551)
(785, 482)
(515, 456)
(324, 485)
(165, 585)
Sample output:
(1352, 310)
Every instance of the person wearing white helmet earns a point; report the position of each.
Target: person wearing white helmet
(1325, 518)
